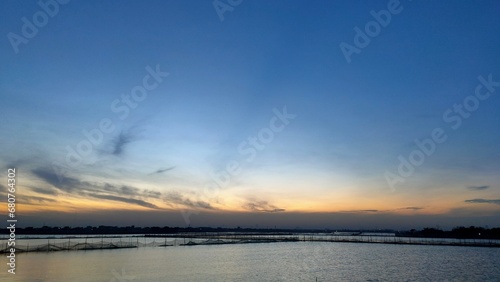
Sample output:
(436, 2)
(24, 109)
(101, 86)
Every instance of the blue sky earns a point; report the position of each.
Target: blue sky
(226, 80)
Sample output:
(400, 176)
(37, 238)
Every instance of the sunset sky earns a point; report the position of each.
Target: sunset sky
(185, 113)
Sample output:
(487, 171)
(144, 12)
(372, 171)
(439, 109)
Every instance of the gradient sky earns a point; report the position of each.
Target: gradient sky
(164, 159)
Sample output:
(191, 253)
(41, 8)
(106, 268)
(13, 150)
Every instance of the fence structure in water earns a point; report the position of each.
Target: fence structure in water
(167, 240)
(69, 244)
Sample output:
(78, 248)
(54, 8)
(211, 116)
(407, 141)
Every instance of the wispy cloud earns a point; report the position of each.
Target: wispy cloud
(45, 191)
(383, 211)
(262, 206)
(484, 187)
(412, 208)
(122, 190)
(119, 143)
(125, 200)
(484, 201)
(176, 198)
(36, 200)
(106, 191)
(151, 194)
(162, 170)
(360, 211)
(67, 184)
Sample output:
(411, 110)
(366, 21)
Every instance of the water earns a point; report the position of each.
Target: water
(290, 261)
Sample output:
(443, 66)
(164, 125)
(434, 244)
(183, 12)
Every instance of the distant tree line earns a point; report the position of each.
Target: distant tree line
(109, 230)
(461, 232)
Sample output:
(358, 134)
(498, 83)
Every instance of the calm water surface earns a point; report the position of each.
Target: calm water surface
(292, 261)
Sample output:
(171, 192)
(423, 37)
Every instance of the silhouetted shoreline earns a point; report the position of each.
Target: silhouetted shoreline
(471, 232)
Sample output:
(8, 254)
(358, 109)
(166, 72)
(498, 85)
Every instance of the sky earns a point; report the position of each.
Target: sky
(292, 114)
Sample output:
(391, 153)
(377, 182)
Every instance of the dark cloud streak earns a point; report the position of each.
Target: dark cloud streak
(177, 198)
(484, 201)
(262, 206)
(412, 208)
(123, 190)
(124, 193)
(36, 200)
(162, 170)
(66, 184)
(478, 188)
(44, 191)
(360, 211)
(125, 200)
(118, 144)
